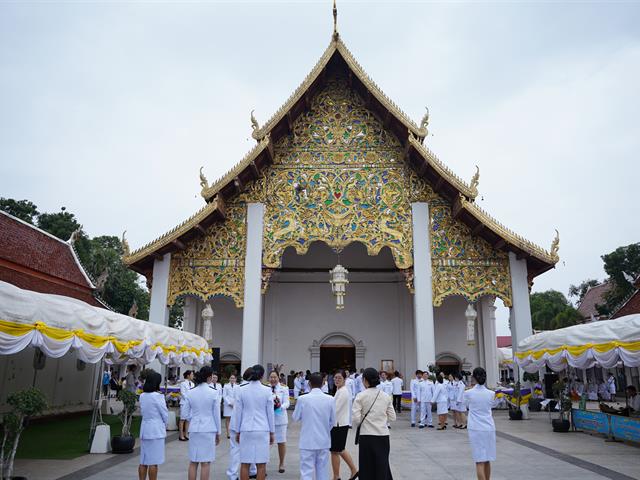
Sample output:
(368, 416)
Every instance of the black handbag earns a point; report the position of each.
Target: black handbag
(357, 440)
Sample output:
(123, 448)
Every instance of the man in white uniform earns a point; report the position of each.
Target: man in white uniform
(349, 383)
(317, 412)
(397, 384)
(414, 387)
(426, 397)
(298, 385)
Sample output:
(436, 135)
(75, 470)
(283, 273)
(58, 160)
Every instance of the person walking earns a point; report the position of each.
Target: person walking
(153, 430)
(482, 431)
(372, 411)
(253, 420)
(280, 397)
(341, 427)
(317, 412)
(397, 384)
(441, 399)
(203, 410)
(186, 385)
(228, 398)
(414, 387)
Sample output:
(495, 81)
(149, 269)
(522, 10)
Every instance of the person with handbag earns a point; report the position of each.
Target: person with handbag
(372, 412)
(341, 428)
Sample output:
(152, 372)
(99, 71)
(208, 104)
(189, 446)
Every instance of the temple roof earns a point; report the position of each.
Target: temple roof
(338, 57)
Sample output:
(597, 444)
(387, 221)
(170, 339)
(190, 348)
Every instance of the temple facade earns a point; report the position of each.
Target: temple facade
(341, 176)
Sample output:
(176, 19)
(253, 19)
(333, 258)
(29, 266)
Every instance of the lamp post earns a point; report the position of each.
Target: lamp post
(471, 315)
(339, 283)
(207, 328)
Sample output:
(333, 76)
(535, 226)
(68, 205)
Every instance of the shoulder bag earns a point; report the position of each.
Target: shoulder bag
(357, 440)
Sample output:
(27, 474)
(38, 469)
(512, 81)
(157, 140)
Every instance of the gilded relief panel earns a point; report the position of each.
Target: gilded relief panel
(213, 265)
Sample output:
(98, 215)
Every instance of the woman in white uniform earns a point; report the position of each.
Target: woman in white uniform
(482, 431)
(203, 408)
(253, 419)
(341, 428)
(186, 385)
(228, 399)
(441, 399)
(280, 397)
(153, 430)
(459, 408)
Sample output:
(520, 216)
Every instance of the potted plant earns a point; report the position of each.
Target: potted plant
(25, 404)
(515, 412)
(535, 404)
(125, 442)
(562, 423)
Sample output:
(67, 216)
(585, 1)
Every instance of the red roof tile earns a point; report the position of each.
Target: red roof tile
(629, 307)
(593, 297)
(503, 341)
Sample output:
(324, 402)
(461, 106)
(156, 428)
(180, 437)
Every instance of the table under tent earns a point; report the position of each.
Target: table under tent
(58, 326)
(606, 344)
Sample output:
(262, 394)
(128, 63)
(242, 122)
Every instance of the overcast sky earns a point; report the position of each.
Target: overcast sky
(110, 108)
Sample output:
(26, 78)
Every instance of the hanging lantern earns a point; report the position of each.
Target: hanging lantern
(339, 283)
(471, 315)
(207, 328)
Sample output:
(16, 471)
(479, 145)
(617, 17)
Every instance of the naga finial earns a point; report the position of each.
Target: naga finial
(74, 236)
(555, 247)
(335, 21)
(423, 131)
(475, 181)
(125, 245)
(204, 183)
(255, 126)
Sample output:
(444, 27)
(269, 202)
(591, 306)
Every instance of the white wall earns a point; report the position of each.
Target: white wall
(451, 330)
(227, 325)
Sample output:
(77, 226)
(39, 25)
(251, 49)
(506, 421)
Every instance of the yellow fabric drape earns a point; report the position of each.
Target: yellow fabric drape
(576, 350)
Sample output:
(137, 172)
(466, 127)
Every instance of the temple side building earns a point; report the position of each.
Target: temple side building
(341, 176)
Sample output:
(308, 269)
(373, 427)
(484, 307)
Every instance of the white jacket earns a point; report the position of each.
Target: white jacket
(253, 409)
(280, 415)
(153, 408)
(203, 409)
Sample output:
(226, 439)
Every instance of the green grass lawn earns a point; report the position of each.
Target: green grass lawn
(64, 439)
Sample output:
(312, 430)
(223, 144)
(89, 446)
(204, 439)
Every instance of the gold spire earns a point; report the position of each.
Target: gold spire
(335, 21)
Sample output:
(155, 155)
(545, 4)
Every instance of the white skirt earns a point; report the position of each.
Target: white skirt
(442, 408)
(227, 410)
(281, 433)
(152, 451)
(483, 445)
(183, 415)
(202, 447)
(254, 447)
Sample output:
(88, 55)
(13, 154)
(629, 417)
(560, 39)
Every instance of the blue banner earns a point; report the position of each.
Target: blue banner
(592, 421)
(625, 428)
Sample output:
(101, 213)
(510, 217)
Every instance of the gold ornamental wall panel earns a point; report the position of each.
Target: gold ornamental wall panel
(213, 265)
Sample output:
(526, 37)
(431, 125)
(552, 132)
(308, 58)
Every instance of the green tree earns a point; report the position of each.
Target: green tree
(578, 291)
(623, 260)
(61, 224)
(22, 209)
(551, 310)
(176, 314)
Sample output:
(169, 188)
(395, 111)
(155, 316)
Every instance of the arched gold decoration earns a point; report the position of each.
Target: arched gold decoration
(213, 265)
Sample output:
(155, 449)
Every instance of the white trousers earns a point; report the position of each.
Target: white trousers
(425, 413)
(314, 464)
(233, 472)
(415, 407)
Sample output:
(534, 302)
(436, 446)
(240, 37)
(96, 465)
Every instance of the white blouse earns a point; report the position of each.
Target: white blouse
(479, 401)
(343, 407)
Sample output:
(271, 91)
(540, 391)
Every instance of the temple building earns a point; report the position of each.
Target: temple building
(340, 176)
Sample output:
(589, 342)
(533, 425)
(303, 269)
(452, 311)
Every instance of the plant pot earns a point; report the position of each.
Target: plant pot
(535, 405)
(122, 444)
(515, 414)
(560, 425)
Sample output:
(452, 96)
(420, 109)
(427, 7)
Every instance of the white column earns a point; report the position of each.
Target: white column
(191, 315)
(252, 312)
(158, 310)
(490, 346)
(423, 297)
(520, 314)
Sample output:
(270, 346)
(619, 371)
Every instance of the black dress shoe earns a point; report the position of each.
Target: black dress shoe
(355, 476)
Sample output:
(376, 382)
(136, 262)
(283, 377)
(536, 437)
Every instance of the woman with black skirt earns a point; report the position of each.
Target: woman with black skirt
(341, 428)
(372, 412)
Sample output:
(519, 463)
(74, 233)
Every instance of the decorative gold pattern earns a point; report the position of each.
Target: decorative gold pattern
(337, 178)
(213, 265)
(463, 264)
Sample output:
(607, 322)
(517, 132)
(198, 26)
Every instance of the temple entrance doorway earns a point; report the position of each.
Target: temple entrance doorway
(335, 357)
(448, 363)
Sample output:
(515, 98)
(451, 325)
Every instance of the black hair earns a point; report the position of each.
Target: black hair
(246, 376)
(440, 378)
(186, 374)
(396, 373)
(371, 376)
(458, 375)
(419, 372)
(631, 388)
(152, 382)
(479, 375)
(341, 373)
(202, 375)
(315, 380)
(257, 373)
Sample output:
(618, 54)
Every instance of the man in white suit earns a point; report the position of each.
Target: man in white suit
(317, 412)
(415, 396)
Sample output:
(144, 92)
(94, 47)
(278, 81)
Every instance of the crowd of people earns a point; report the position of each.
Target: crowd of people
(255, 418)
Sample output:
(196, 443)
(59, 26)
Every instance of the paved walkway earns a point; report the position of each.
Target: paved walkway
(526, 450)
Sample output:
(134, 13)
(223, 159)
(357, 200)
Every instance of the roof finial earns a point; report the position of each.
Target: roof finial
(335, 21)
(475, 181)
(125, 245)
(423, 131)
(255, 127)
(555, 247)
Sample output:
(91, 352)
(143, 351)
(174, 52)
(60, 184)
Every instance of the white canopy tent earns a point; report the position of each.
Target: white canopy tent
(55, 324)
(604, 343)
(505, 356)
